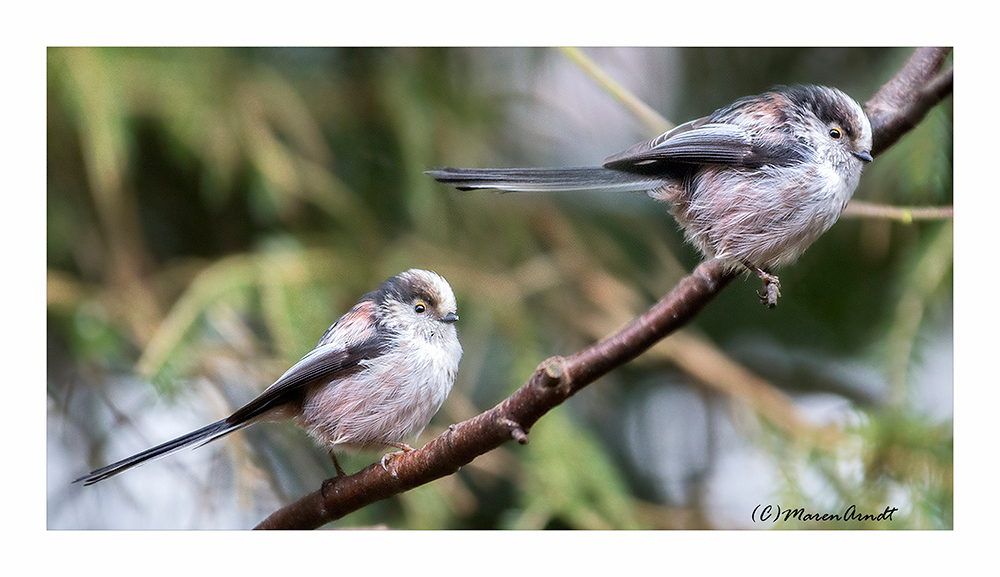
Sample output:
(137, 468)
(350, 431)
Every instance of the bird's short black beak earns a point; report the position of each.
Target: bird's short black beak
(864, 156)
(449, 318)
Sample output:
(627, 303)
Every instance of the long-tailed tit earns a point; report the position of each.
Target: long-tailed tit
(754, 183)
(374, 380)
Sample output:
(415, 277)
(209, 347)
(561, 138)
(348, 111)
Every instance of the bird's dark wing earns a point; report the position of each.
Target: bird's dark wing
(354, 338)
(701, 142)
(695, 142)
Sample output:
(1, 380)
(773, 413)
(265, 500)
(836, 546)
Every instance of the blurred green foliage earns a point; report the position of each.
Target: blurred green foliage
(212, 211)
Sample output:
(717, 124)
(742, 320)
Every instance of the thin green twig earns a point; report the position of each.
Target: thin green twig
(652, 118)
(904, 214)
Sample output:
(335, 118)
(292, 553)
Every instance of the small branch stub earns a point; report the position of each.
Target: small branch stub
(553, 373)
(516, 432)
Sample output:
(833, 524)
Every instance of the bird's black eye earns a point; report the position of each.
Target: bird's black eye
(835, 133)
(419, 308)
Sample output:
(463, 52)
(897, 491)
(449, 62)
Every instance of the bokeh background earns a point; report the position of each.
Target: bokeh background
(212, 211)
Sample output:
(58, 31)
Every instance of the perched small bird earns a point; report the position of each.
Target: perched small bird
(753, 184)
(374, 380)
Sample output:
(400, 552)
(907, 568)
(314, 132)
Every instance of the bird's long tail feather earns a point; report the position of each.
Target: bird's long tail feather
(201, 436)
(544, 179)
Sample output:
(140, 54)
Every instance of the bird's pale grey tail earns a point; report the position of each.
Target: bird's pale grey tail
(201, 436)
(544, 179)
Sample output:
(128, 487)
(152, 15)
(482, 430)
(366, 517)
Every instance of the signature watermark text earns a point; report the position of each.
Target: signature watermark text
(774, 513)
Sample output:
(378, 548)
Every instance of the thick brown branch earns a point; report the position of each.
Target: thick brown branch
(895, 109)
(904, 101)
